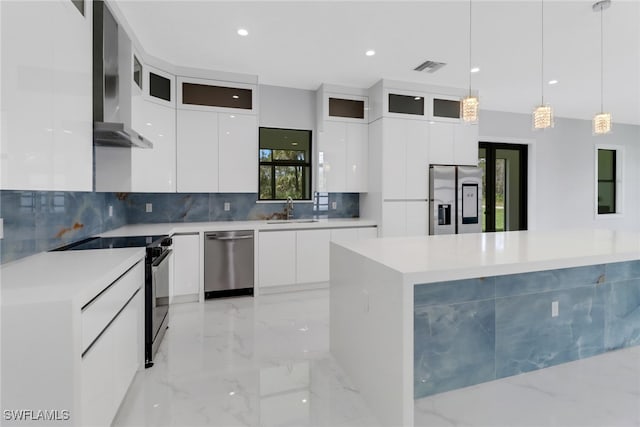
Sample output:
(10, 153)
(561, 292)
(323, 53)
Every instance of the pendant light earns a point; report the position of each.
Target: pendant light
(543, 113)
(602, 120)
(470, 104)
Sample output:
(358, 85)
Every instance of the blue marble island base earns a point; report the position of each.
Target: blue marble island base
(476, 330)
(412, 317)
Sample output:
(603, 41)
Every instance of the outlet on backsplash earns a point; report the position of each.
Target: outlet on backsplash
(110, 211)
(149, 207)
(227, 206)
(1, 228)
(334, 205)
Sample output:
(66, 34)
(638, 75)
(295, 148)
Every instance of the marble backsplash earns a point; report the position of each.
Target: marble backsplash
(36, 221)
(192, 207)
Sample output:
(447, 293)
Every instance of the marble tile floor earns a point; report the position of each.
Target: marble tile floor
(246, 362)
(265, 362)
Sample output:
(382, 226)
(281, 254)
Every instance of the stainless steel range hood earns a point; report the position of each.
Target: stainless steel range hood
(112, 80)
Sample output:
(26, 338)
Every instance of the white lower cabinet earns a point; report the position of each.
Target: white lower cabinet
(110, 364)
(301, 256)
(186, 268)
(312, 256)
(277, 258)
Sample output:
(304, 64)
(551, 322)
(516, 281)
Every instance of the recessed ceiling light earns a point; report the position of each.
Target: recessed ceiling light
(235, 97)
(475, 69)
(294, 143)
(417, 98)
(242, 32)
(552, 82)
(370, 52)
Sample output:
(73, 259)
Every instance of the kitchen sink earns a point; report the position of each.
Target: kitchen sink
(292, 221)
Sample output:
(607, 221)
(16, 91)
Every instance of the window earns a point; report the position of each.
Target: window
(285, 164)
(609, 187)
(606, 181)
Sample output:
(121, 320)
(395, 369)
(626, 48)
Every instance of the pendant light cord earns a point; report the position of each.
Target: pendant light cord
(542, 49)
(469, 48)
(601, 61)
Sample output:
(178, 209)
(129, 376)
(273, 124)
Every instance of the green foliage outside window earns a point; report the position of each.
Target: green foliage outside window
(285, 164)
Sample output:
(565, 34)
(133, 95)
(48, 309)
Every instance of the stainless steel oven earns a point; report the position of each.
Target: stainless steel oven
(159, 302)
(156, 282)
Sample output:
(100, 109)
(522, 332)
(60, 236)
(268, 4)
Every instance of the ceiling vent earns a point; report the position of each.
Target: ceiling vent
(430, 66)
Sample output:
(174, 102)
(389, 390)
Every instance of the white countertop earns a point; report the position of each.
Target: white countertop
(197, 227)
(75, 276)
(452, 257)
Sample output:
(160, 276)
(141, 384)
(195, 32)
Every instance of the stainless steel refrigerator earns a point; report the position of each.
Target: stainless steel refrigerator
(455, 196)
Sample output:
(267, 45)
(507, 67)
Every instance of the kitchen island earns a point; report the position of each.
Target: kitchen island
(411, 317)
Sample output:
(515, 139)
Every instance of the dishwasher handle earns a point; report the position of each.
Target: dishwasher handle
(216, 237)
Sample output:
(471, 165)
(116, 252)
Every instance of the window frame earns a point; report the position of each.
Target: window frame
(619, 181)
(307, 163)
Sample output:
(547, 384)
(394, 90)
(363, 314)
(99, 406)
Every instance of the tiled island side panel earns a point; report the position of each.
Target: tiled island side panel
(472, 331)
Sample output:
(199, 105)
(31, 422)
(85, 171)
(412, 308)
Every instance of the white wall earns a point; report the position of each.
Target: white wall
(283, 107)
(562, 169)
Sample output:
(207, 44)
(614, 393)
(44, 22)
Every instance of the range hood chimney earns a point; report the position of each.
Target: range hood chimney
(112, 79)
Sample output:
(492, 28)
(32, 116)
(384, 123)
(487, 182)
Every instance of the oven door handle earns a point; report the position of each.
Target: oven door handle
(161, 258)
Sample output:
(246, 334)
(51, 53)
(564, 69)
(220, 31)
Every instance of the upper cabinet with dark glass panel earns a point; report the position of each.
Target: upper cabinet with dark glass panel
(445, 108)
(160, 86)
(405, 104)
(209, 94)
(346, 108)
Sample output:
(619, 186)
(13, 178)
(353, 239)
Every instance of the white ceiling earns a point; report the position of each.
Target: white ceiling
(302, 44)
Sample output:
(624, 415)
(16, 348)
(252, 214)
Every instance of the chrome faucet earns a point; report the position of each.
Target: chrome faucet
(288, 208)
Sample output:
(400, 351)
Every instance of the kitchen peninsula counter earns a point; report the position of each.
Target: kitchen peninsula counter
(411, 317)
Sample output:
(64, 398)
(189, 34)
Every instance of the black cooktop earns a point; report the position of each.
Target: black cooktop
(115, 242)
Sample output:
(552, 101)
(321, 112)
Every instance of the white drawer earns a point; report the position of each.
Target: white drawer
(98, 313)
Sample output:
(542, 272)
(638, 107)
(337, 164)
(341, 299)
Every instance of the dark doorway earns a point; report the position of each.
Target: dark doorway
(504, 186)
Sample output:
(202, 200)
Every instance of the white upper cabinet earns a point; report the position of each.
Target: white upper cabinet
(217, 138)
(343, 157)
(453, 144)
(238, 153)
(216, 152)
(46, 96)
(197, 151)
(342, 143)
(154, 170)
(405, 159)
(332, 153)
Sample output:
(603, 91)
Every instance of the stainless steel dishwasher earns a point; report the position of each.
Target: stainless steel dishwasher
(228, 263)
